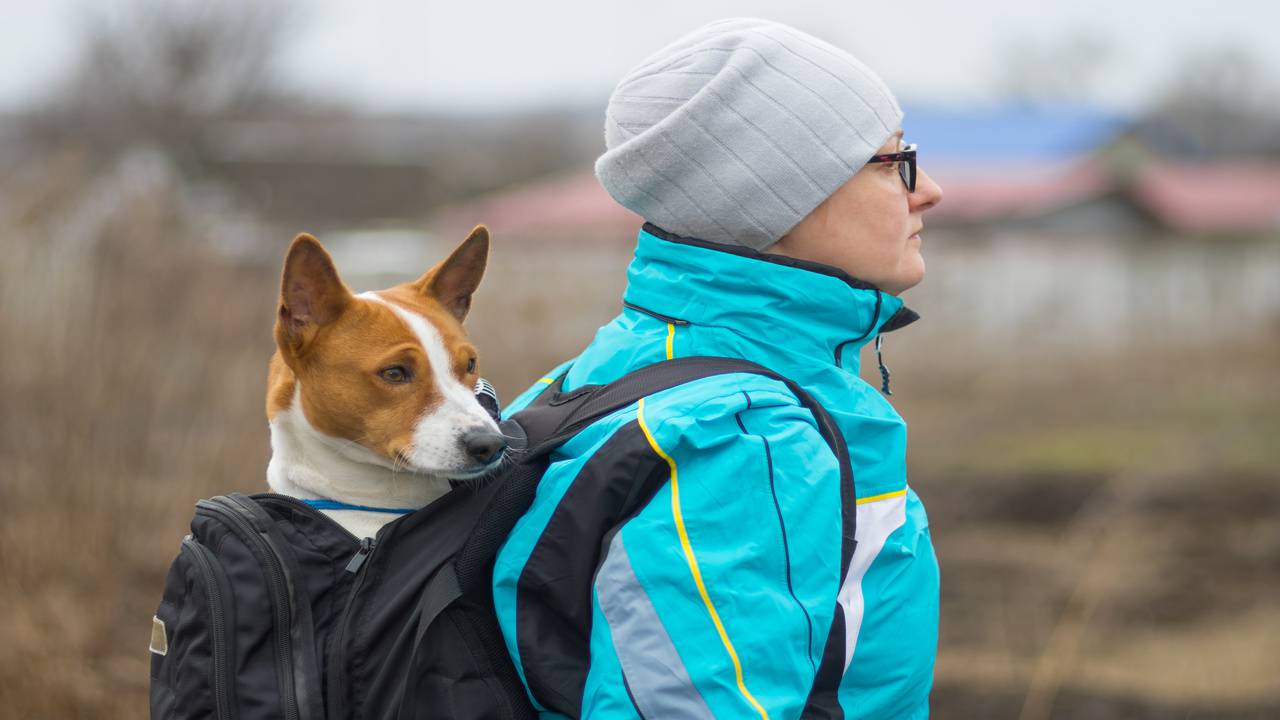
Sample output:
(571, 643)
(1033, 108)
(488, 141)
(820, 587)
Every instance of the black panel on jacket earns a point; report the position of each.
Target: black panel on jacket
(553, 594)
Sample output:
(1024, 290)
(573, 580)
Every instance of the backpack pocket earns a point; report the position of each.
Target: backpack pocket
(275, 664)
(191, 640)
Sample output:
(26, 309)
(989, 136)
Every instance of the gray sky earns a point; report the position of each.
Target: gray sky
(392, 55)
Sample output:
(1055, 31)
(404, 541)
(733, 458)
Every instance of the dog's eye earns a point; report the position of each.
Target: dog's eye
(471, 365)
(396, 374)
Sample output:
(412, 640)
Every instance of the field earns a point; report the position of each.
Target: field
(1109, 547)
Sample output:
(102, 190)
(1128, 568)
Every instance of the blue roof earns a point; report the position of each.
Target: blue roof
(1010, 133)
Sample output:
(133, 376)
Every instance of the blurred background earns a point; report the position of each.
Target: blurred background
(1093, 392)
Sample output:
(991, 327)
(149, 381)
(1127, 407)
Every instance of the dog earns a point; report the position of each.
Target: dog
(369, 396)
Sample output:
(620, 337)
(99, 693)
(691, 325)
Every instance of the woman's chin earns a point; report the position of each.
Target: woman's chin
(912, 274)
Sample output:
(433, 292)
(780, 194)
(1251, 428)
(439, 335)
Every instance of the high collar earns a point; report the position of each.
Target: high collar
(806, 307)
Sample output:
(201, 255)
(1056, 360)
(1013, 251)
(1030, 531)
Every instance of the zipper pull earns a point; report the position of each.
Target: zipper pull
(357, 560)
(884, 371)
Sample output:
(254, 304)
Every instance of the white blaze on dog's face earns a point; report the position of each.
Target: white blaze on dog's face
(391, 371)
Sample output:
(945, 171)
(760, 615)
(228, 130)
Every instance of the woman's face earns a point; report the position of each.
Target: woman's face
(870, 227)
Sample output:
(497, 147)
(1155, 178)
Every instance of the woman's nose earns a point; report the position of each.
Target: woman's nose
(927, 193)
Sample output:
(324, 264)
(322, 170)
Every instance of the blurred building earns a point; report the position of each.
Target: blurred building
(1068, 170)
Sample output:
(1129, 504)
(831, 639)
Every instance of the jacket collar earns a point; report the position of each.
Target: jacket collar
(806, 307)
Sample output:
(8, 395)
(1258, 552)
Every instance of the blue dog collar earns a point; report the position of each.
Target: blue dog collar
(335, 505)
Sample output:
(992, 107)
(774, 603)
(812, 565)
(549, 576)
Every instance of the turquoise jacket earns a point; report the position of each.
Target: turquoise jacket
(682, 556)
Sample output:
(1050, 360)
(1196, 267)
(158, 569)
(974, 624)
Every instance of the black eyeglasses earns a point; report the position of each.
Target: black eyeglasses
(906, 160)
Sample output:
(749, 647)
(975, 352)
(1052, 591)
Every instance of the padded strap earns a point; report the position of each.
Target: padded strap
(555, 416)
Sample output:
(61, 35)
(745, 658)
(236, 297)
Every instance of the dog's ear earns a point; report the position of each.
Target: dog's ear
(311, 295)
(453, 281)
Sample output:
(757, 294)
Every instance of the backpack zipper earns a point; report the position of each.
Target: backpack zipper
(337, 664)
(335, 668)
(220, 672)
(279, 589)
(357, 560)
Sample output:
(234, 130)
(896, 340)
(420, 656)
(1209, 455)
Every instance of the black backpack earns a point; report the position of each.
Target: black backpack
(273, 610)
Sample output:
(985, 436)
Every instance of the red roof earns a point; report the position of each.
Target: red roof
(976, 193)
(1234, 197)
(561, 207)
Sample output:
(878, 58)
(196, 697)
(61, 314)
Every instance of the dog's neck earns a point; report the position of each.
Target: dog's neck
(308, 464)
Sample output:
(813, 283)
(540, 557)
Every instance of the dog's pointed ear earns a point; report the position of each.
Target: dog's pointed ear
(311, 295)
(454, 280)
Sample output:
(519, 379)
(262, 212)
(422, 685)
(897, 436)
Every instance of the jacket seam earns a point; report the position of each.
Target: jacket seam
(782, 525)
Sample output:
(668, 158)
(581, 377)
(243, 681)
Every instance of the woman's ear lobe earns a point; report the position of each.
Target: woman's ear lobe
(454, 281)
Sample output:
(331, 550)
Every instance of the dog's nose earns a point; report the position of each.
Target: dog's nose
(482, 445)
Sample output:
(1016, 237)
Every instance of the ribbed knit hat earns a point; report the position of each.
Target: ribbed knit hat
(736, 131)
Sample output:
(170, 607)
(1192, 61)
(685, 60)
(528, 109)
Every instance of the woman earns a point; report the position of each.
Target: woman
(683, 557)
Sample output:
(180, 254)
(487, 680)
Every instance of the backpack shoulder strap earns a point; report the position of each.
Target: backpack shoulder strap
(555, 416)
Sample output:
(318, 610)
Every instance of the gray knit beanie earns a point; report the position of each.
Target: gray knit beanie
(736, 131)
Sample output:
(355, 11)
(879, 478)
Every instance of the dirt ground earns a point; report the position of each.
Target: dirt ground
(1093, 596)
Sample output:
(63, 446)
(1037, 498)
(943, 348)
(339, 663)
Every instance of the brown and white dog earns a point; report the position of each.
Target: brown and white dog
(369, 396)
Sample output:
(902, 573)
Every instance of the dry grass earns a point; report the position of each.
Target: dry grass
(131, 386)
